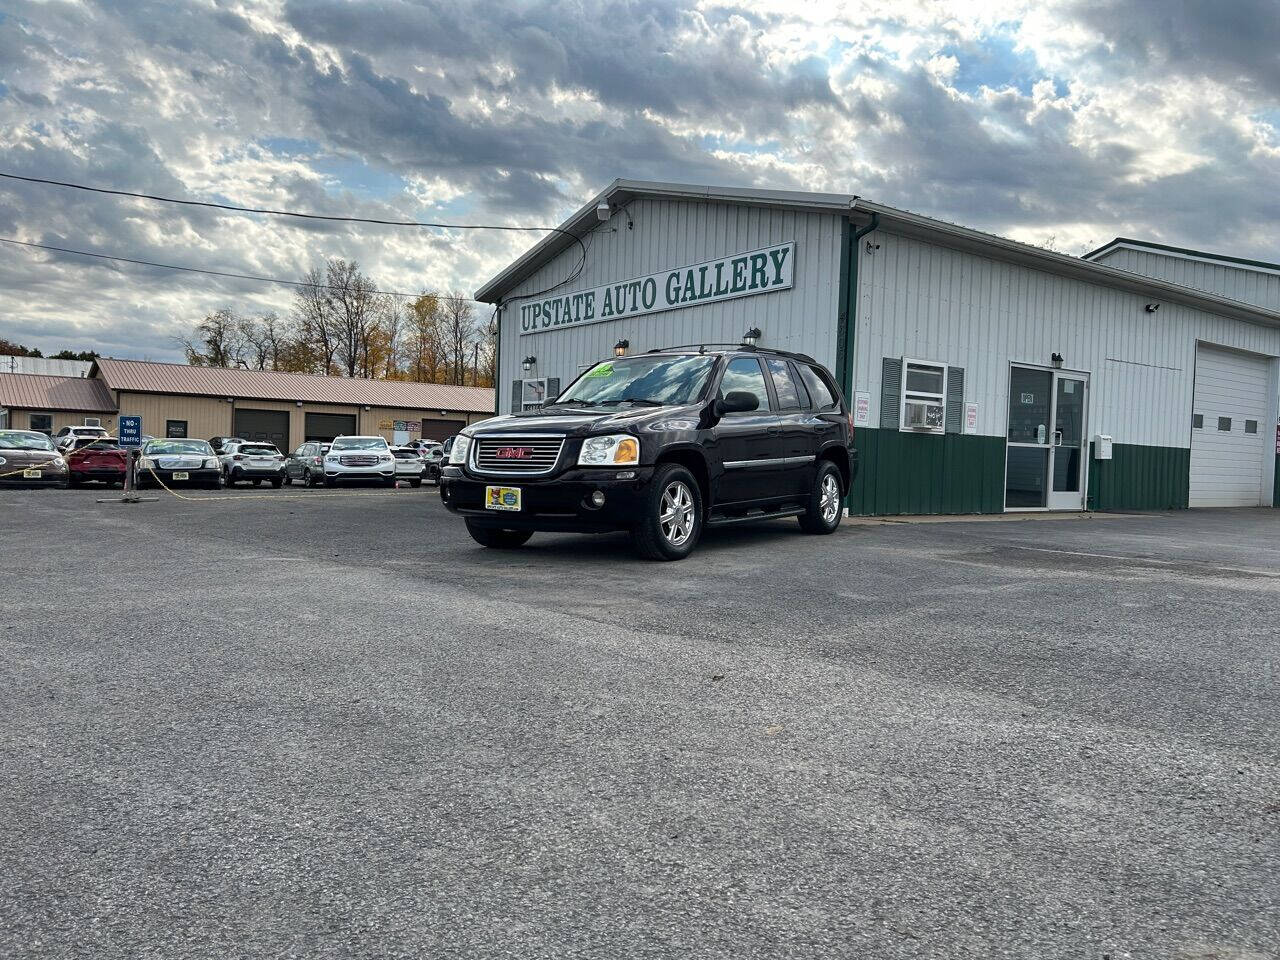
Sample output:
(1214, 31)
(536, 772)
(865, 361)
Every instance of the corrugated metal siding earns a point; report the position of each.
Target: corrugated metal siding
(1227, 280)
(205, 417)
(930, 302)
(670, 234)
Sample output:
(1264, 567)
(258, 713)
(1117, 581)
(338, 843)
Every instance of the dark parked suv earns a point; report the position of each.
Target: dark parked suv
(662, 444)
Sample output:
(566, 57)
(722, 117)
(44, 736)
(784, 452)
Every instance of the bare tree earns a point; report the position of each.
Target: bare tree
(313, 317)
(351, 303)
(460, 334)
(218, 342)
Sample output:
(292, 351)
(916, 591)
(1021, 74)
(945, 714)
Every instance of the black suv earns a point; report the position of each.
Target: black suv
(661, 444)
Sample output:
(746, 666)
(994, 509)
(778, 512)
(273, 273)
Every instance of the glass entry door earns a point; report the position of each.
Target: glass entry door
(1045, 465)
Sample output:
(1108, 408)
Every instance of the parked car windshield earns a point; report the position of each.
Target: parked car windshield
(14, 440)
(648, 379)
(359, 443)
(198, 447)
(406, 454)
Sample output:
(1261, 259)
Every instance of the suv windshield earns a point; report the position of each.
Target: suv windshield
(24, 441)
(644, 380)
(359, 443)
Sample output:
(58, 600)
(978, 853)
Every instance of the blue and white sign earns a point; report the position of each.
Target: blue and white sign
(130, 431)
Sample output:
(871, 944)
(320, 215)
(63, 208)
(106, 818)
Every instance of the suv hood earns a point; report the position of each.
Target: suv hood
(576, 421)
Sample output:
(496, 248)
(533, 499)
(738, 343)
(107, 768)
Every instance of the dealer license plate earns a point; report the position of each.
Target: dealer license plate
(502, 498)
(181, 476)
(31, 474)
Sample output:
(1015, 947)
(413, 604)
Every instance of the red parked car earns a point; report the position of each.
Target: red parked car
(96, 458)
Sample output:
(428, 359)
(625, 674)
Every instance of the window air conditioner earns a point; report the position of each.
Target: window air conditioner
(924, 415)
(93, 421)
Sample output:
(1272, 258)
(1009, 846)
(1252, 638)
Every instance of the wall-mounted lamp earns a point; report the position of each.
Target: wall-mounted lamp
(1057, 361)
(620, 348)
(231, 399)
(366, 407)
(527, 363)
(1151, 307)
(751, 336)
(299, 403)
(872, 247)
(602, 211)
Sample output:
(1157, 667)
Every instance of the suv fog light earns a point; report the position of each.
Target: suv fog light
(597, 499)
(626, 475)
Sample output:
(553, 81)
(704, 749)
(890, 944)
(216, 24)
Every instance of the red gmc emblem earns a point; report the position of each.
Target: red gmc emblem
(514, 453)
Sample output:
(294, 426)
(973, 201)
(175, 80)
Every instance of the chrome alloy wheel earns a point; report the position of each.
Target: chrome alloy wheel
(675, 516)
(830, 504)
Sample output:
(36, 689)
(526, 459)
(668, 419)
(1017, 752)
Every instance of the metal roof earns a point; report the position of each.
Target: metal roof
(861, 210)
(141, 376)
(1263, 266)
(44, 366)
(27, 391)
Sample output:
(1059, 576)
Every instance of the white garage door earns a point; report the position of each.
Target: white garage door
(1230, 435)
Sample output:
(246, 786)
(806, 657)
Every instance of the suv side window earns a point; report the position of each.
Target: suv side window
(744, 373)
(783, 385)
(821, 392)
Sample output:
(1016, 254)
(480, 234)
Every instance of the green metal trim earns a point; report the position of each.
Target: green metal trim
(497, 361)
(849, 318)
(1139, 477)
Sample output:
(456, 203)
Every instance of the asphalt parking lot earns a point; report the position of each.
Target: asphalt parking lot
(298, 724)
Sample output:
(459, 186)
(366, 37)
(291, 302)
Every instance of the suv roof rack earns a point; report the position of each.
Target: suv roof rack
(746, 348)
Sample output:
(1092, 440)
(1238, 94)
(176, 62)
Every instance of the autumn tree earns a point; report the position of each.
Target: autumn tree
(460, 335)
(425, 340)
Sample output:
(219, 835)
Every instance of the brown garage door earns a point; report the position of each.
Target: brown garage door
(440, 430)
(325, 426)
(270, 426)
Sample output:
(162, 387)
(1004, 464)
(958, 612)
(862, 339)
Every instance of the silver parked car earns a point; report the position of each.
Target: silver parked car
(252, 460)
(409, 465)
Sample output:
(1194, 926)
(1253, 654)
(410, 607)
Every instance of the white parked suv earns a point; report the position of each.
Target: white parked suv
(68, 435)
(251, 460)
(409, 465)
(359, 458)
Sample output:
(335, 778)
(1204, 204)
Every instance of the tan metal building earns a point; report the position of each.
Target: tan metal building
(176, 400)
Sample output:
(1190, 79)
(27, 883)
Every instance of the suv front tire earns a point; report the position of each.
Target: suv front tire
(672, 519)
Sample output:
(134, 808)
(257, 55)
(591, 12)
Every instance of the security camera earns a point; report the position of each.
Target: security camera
(603, 212)
(1151, 307)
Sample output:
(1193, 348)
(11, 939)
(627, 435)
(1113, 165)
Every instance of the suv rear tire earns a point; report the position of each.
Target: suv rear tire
(823, 511)
(672, 519)
(497, 538)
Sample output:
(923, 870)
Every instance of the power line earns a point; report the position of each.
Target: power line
(220, 273)
(235, 208)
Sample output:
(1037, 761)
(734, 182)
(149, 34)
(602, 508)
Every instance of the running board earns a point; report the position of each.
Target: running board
(753, 517)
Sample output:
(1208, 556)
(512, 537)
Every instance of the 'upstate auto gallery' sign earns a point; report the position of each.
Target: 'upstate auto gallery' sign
(737, 275)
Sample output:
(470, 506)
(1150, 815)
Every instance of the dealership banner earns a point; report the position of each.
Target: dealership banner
(737, 275)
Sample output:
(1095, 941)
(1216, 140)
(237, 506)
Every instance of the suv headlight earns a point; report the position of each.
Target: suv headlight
(210, 464)
(619, 449)
(461, 447)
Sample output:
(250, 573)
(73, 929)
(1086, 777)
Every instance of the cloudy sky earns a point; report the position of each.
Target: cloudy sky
(1052, 121)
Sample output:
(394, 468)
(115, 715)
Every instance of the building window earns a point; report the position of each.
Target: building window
(924, 396)
(4, 419)
(175, 429)
(42, 422)
(1197, 421)
(1251, 426)
(533, 394)
(1224, 424)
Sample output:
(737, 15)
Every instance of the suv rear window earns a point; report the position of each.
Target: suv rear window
(783, 385)
(258, 450)
(823, 396)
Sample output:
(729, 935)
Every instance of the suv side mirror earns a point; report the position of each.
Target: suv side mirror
(737, 401)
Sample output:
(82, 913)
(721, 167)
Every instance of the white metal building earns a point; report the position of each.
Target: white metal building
(984, 374)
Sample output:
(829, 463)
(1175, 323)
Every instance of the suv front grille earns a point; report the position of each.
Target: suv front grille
(517, 456)
(358, 460)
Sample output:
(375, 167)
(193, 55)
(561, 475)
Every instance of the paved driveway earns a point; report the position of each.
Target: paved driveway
(306, 725)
